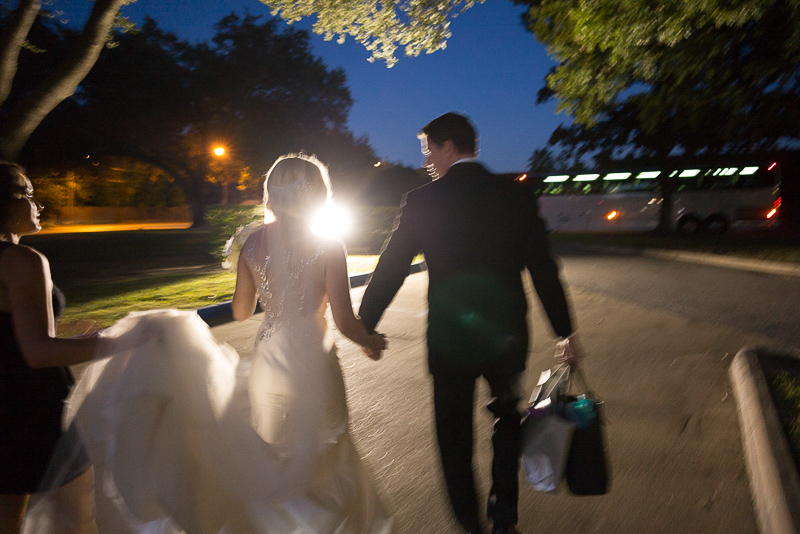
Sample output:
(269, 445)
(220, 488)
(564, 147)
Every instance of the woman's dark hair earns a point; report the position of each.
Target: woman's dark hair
(455, 127)
(9, 187)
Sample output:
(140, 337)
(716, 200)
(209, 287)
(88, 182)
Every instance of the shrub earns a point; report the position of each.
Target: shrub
(223, 221)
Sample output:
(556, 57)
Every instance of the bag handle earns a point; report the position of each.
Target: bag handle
(558, 380)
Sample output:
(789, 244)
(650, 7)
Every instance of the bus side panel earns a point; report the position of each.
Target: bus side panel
(569, 213)
(739, 207)
(628, 212)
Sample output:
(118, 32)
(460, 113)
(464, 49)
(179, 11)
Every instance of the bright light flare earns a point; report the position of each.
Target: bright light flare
(771, 213)
(612, 215)
(378, 164)
(219, 151)
(772, 166)
(333, 222)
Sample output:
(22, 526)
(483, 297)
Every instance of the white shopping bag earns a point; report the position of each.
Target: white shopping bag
(547, 435)
(545, 447)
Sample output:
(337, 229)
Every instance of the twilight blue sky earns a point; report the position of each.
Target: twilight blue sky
(490, 70)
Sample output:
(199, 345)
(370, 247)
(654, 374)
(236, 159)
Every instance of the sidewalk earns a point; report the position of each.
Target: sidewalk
(674, 441)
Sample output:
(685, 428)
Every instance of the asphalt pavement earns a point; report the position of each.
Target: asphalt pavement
(674, 411)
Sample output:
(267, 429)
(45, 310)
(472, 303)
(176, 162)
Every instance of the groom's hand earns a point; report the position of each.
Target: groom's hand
(570, 352)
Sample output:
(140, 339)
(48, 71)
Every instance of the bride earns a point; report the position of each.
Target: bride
(184, 441)
(296, 392)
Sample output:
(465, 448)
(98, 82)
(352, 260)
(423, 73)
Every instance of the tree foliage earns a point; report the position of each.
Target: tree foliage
(677, 67)
(255, 89)
(650, 78)
(415, 25)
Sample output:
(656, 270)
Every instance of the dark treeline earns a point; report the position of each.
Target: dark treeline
(154, 107)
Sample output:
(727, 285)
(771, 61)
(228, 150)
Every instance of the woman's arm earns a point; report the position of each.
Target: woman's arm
(338, 288)
(244, 296)
(26, 274)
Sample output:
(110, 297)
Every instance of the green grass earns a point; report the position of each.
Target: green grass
(788, 387)
(179, 292)
(783, 379)
(102, 304)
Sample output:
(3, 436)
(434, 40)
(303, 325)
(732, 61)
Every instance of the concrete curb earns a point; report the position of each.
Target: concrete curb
(773, 476)
(220, 313)
(763, 266)
(719, 260)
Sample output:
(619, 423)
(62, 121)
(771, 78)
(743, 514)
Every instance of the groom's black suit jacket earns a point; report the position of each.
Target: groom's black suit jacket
(478, 231)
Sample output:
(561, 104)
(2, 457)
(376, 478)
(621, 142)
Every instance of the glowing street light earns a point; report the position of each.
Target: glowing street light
(219, 151)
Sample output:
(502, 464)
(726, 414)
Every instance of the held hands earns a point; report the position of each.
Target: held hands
(569, 352)
(374, 349)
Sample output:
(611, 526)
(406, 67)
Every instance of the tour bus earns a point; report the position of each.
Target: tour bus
(710, 198)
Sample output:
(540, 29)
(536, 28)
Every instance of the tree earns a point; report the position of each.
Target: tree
(655, 77)
(416, 25)
(18, 122)
(255, 89)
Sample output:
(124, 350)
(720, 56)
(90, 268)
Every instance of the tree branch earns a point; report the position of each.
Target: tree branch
(62, 83)
(11, 41)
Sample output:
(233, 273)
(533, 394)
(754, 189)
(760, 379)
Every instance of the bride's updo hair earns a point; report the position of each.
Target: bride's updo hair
(296, 185)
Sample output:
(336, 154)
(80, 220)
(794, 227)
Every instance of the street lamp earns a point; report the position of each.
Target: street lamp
(219, 151)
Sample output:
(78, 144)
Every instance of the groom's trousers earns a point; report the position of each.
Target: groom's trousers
(453, 404)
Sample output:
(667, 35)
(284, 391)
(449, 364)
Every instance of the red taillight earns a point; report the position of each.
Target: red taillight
(772, 166)
(521, 177)
(777, 203)
(771, 213)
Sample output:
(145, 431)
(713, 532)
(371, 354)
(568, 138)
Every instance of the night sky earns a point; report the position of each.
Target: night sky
(490, 71)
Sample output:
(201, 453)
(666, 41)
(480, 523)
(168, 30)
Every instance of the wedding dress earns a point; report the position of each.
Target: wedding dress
(184, 440)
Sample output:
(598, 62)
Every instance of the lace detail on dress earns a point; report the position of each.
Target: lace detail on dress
(270, 295)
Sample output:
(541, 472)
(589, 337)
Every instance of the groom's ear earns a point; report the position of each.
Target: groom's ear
(449, 148)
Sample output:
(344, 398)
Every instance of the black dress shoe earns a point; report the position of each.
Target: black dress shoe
(500, 529)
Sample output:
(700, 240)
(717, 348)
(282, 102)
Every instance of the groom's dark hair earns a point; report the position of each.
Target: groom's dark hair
(455, 127)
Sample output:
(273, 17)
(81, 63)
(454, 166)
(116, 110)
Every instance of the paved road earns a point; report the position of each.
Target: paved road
(759, 303)
(673, 435)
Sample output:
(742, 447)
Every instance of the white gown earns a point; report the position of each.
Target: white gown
(183, 441)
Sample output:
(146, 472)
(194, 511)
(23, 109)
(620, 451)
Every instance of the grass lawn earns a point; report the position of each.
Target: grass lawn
(783, 379)
(107, 275)
(185, 290)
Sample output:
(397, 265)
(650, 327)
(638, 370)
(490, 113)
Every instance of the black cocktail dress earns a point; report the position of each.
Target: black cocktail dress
(31, 403)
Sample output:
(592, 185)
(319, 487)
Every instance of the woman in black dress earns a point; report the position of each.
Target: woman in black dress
(34, 374)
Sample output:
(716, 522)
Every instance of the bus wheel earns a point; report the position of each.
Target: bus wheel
(688, 225)
(715, 224)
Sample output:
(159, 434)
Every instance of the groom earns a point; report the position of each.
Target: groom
(478, 231)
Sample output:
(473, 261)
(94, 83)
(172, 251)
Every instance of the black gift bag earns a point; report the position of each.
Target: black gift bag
(587, 470)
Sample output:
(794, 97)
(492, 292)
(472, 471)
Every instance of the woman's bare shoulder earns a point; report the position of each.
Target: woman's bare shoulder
(21, 264)
(22, 256)
(260, 235)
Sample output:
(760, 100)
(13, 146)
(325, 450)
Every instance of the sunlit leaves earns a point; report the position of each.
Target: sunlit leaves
(415, 26)
(606, 47)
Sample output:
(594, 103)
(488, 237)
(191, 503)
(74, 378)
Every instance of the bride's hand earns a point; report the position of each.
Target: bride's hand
(377, 344)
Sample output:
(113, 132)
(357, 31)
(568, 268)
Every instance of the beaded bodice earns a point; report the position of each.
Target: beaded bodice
(288, 274)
